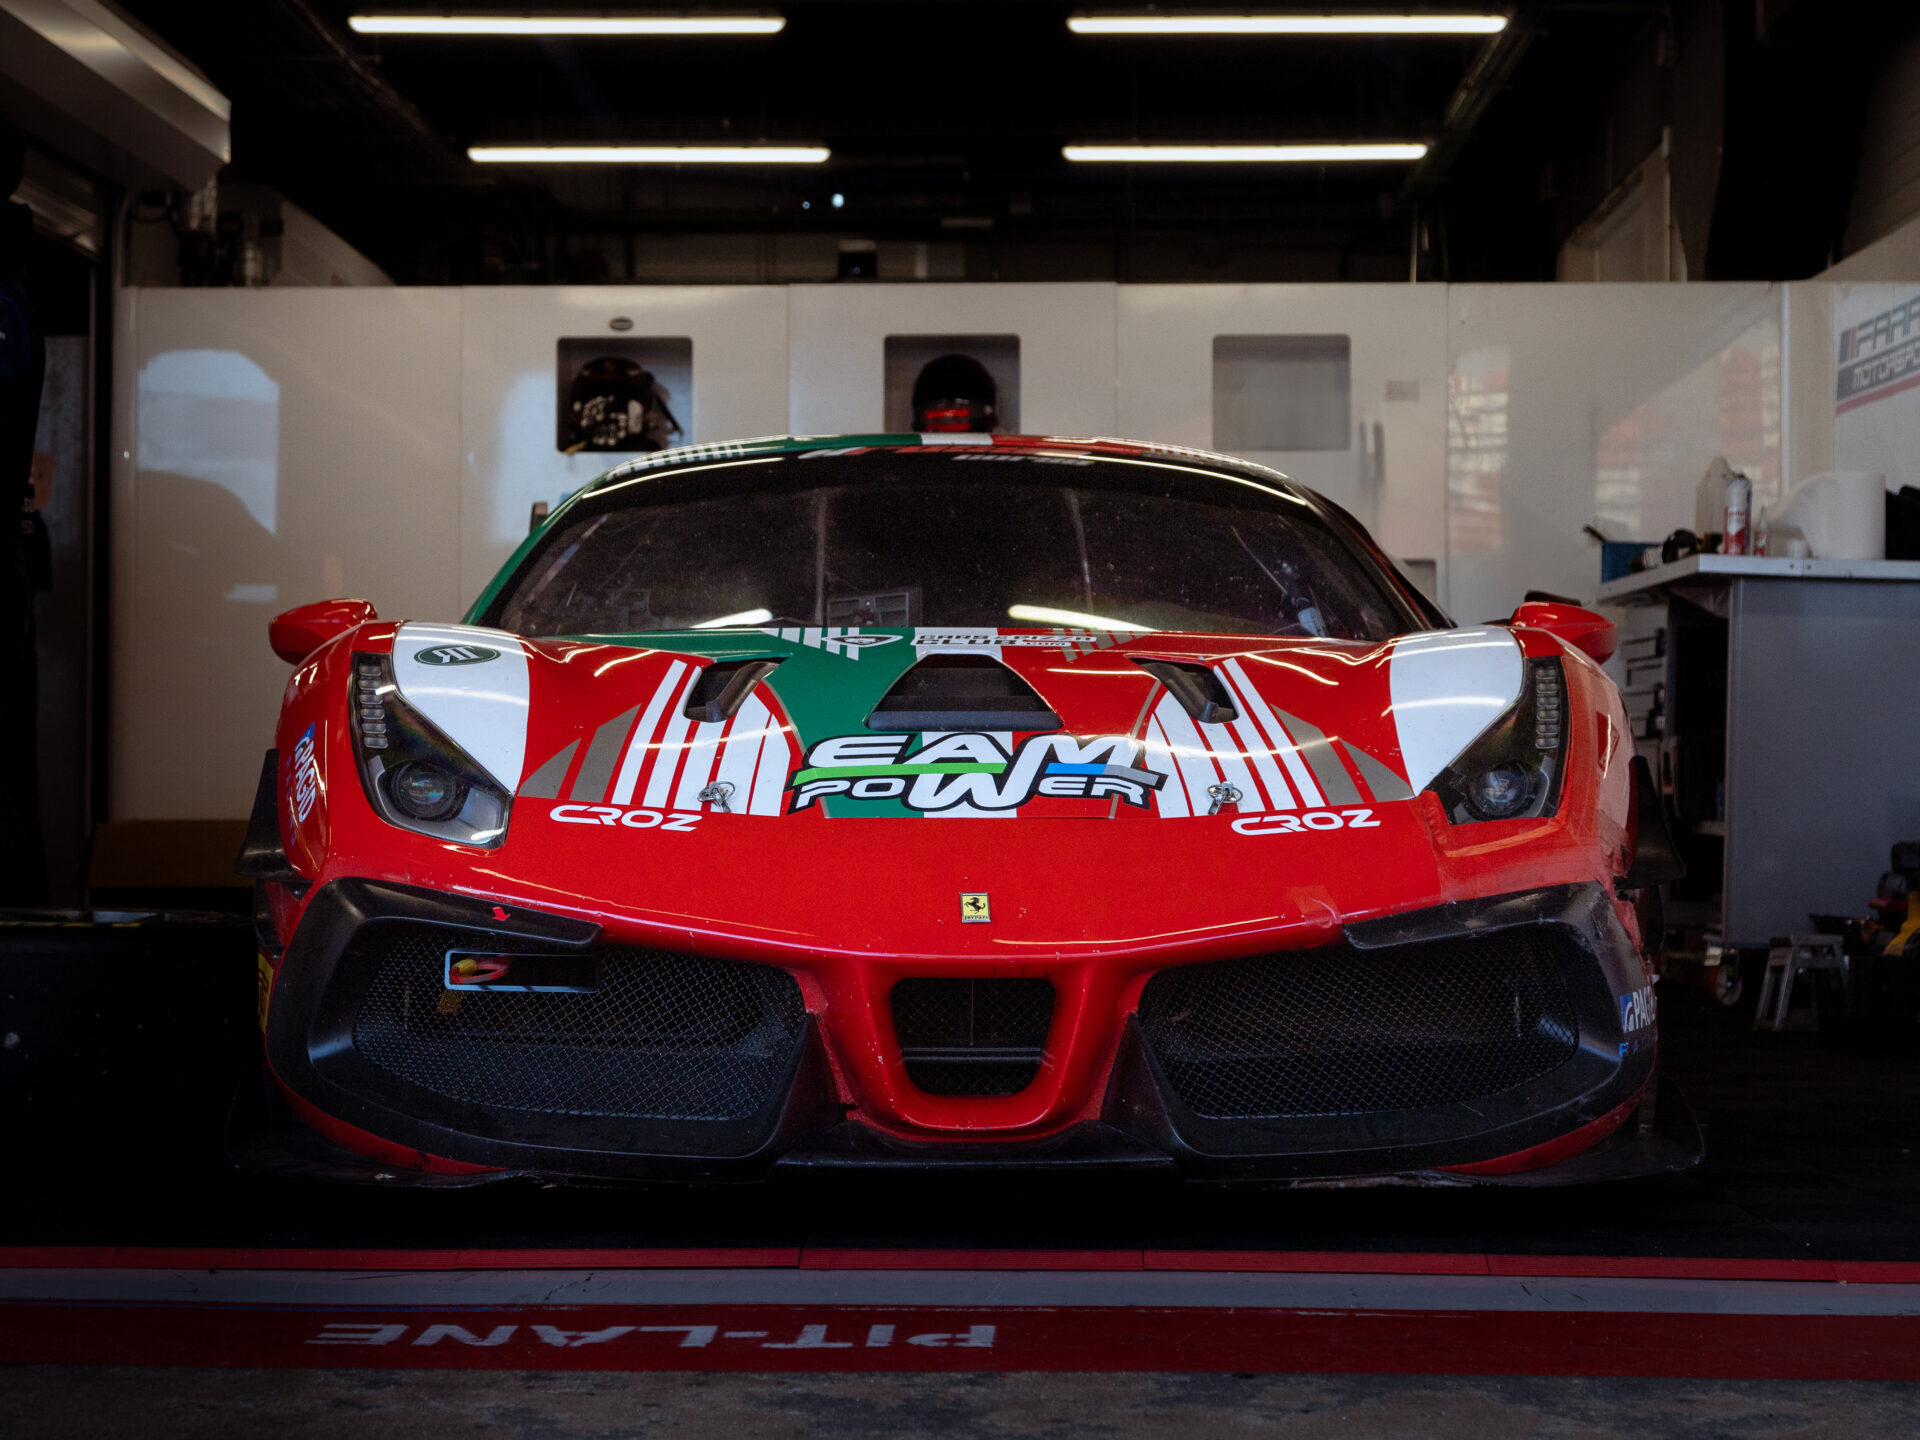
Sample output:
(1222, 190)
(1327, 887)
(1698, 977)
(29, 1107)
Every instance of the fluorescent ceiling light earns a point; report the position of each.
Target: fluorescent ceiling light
(745, 617)
(1242, 154)
(649, 154)
(1287, 24)
(1047, 615)
(567, 24)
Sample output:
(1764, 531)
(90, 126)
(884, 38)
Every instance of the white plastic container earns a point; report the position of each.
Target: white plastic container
(1840, 514)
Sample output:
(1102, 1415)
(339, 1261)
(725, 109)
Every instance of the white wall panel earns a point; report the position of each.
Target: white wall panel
(1807, 379)
(1391, 476)
(838, 349)
(1567, 402)
(509, 458)
(272, 447)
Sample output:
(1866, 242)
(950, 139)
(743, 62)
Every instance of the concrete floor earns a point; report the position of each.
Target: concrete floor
(40, 1402)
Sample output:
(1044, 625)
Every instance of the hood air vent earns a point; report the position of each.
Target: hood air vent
(1196, 687)
(724, 686)
(961, 692)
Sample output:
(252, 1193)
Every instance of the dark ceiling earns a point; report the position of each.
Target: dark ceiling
(946, 122)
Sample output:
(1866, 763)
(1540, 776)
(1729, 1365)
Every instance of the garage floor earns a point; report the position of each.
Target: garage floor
(161, 1404)
(1764, 1273)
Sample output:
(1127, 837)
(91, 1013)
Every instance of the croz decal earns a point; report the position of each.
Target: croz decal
(305, 779)
(455, 655)
(1355, 819)
(1637, 1009)
(626, 819)
(972, 769)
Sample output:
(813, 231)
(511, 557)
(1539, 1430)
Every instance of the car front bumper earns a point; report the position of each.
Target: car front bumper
(1255, 1089)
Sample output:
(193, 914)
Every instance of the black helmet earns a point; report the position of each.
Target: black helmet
(615, 404)
(955, 394)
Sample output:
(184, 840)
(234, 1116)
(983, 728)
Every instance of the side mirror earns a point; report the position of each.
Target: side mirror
(299, 632)
(1582, 629)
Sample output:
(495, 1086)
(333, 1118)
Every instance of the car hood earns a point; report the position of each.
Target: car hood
(743, 823)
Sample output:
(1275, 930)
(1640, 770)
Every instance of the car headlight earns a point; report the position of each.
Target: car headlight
(1513, 770)
(414, 776)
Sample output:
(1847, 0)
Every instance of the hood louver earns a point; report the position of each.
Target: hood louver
(961, 692)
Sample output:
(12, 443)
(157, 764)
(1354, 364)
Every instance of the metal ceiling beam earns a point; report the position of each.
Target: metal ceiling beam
(1485, 78)
(98, 76)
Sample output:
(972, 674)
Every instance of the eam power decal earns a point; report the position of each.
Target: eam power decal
(973, 770)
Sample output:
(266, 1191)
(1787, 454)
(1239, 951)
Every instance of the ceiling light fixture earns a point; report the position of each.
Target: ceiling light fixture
(1412, 24)
(567, 24)
(649, 154)
(1242, 154)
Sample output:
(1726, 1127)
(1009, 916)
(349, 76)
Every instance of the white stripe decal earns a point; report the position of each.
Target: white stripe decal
(1276, 734)
(1279, 797)
(1296, 764)
(482, 706)
(1233, 768)
(666, 755)
(742, 752)
(1189, 752)
(637, 748)
(770, 779)
(701, 752)
(1171, 797)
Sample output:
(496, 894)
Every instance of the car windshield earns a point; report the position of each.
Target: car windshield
(988, 537)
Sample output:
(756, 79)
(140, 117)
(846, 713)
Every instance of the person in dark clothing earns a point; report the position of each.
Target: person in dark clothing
(23, 366)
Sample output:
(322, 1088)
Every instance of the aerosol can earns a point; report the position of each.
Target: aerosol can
(1739, 513)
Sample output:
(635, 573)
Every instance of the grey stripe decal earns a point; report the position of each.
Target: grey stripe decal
(1317, 751)
(596, 771)
(1051, 1289)
(1379, 776)
(544, 783)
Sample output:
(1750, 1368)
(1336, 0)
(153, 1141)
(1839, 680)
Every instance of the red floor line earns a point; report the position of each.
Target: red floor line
(711, 1257)
(1642, 1267)
(1877, 1272)
(1658, 1267)
(57, 1257)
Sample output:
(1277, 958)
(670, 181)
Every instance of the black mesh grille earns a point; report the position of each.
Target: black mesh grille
(972, 1037)
(664, 1036)
(1341, 1032)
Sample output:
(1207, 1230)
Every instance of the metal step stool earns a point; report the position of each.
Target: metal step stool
(1790, 958)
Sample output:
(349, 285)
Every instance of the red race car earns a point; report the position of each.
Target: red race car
(996, 802)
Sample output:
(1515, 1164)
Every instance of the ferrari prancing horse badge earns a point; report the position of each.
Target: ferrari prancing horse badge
(974, 908)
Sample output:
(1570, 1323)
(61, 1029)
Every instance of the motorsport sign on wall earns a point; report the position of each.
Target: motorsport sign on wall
(1876, 393)
(1879, 356)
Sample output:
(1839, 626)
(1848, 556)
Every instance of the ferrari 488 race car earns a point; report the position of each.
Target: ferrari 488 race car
(957, 800)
